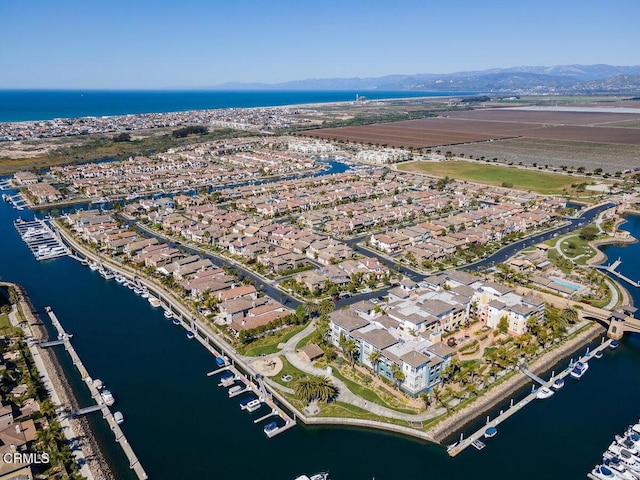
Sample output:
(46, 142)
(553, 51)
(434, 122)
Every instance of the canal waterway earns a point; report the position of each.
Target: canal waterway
(181, 425)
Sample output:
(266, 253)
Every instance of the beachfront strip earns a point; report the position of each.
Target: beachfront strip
(259, 119)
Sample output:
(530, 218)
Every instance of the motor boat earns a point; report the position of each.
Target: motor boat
(490, 432)
(614, 344)
(544, 392)
(315, 476)
(558, 383)
(118, 417)
(579, 369)
(603, 472)
(598, 354)
(620, 469)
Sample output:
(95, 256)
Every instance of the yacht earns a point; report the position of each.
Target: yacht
(628, 463)
(118, 417)
(604, 473)
(544, 392)
(623, 452)
(629, 441)
(315, 476)
(558, 383)
(620, 469)
(579, 369)
(107, 397)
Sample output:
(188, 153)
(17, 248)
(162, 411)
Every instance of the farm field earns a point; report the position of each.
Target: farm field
(591, 139)
(541, 182)
(610, 157)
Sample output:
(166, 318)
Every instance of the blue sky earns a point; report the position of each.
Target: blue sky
(199, 43)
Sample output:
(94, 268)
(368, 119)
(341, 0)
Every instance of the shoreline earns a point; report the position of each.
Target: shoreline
(83, 434)
(284, 105)
(451, 425)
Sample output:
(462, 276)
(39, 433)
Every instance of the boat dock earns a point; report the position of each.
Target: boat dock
(475, 438)
(41, 240)
(134, 464)
(612, 270)
(209, 340)
(263, 395)
(16, 200)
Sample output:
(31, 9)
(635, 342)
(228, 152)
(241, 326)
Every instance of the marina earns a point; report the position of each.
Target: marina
(621, 460)
(41, 240)
(545, 391)
(102, 403)
(195, 330)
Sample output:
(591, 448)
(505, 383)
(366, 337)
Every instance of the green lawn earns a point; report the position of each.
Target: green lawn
(542, 182)
(368, 394)
(287, 369)
(269, 344)
(575, 246)
(345, 410)
(5, 325)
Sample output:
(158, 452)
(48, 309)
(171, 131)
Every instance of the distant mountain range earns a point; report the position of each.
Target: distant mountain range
(521, 80)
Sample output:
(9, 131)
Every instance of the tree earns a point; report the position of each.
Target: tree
(398, 376)
(350, 349)
(374, 358)
(503, 324)
(326, 307)
(315, 388)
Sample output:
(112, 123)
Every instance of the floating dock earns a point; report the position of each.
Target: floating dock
(513, 408)
(41, 240)
(134, 464)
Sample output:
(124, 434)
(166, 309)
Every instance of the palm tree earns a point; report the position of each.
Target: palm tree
(426, 399)
(569, 314)
(326, 306)
(324, 389)
(309, 308)
(398, 376)
(304, 389)
(351, 349)
(374, 358)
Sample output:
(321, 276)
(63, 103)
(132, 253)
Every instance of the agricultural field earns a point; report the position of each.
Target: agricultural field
(541, 182)
(590, 155)
(590, 139)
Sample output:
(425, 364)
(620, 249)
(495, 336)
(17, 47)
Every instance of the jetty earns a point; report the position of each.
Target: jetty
(134, 464)
(41, 240)
(475, 438)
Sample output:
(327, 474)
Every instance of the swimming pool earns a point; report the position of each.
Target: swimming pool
(566, 284)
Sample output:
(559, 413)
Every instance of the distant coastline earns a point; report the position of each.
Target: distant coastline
(42, 105)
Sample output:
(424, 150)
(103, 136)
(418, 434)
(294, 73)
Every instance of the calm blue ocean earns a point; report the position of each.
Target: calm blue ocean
(25, 105)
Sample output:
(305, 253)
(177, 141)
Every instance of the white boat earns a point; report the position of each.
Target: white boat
(579, 369)
(253, 405)
(631, 440)
(118, 417)
(93, 266)
(144, 294)
(598, 354)
(558, 383)
(120, 279)
(620, 470)
(623, 452)
(603, 473)
(490, 432)
(153, 301)
(168, 314)
(235, 389)
(628, 463)
(544, 392)
(98, 383)
(107, 397)
(315, 476)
